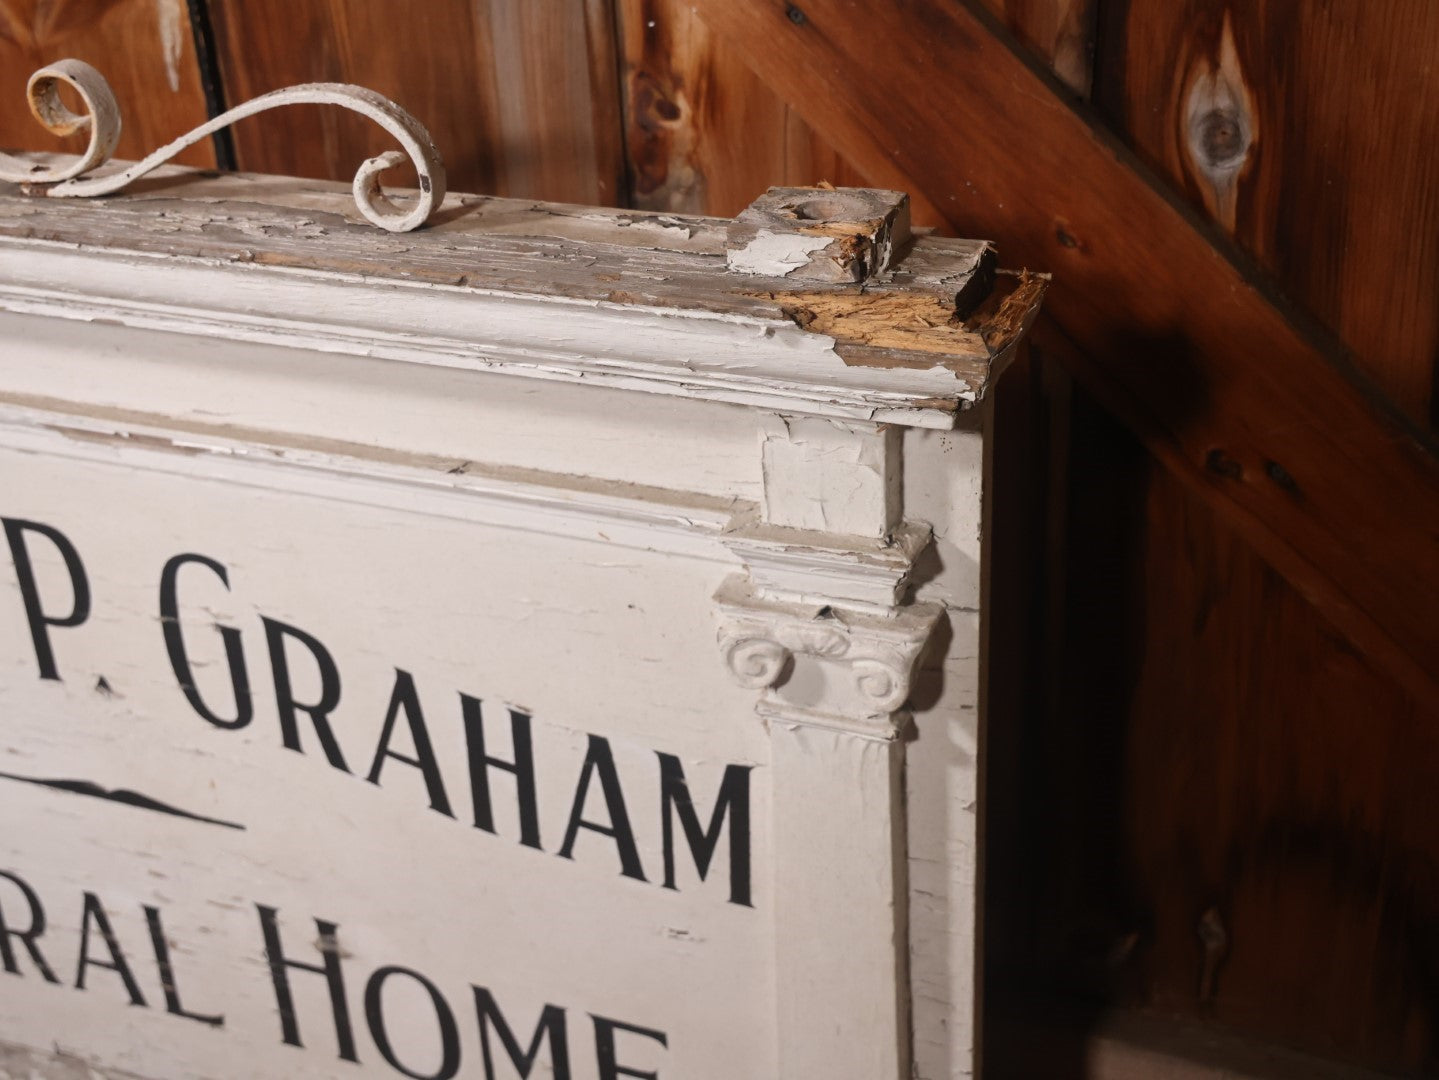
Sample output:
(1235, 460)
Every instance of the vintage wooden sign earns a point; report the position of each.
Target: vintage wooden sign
(490, 650)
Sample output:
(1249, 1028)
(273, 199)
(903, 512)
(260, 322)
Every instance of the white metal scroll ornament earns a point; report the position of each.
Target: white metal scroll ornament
(103, 119)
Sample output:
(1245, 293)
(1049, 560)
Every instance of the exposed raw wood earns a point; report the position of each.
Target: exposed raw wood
(1315, 119)
(449, 294)
(824, 234)
(1337, 493)
(913, 324)
(537, 76)
(146, 49)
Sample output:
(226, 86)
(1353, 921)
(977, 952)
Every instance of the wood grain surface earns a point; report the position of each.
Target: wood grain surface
(521, 98)
(1259, 848)
(1306, 131)
(1058, 32)
(1219, 809)
(705, 134)
(1279, 808)
(143, 47)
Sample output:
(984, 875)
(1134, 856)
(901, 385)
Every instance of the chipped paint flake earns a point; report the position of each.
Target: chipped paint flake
(776, 254)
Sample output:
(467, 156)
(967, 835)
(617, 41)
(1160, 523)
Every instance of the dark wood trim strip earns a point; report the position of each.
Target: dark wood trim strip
(207, 58)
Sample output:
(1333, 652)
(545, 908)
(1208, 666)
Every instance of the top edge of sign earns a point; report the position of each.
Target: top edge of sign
(915, 342)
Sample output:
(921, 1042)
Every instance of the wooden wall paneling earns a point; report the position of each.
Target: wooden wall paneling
(1250, 405)
(1218, 809)
(557, 96)
(1305, 131)
(1294, 917)
(522, 98)
(688, 106)
(704, 134)
(145, 49)
(1278, 820)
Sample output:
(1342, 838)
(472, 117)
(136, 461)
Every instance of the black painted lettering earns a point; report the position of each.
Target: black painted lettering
(606, 1056)
(175, 646)
(523, 768)
(27, 936)
(551, 1027)
(319, 713)
(449, 1033)
(404, 699)
(167, 972)
(95, 916)
(329, 947)
(601, 760)
(39, 620)
(732, 802)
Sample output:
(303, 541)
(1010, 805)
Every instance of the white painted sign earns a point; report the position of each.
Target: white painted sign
(412, 699)
(242, 722)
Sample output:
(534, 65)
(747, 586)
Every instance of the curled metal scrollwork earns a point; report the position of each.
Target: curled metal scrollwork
(102, 118)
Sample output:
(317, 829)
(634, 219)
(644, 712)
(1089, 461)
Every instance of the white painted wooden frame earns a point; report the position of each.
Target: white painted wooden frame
(738, 397)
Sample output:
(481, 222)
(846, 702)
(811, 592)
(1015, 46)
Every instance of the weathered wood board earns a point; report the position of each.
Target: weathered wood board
(490, 651)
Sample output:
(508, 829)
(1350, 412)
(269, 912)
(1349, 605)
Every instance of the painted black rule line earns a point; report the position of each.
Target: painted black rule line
(119, 795)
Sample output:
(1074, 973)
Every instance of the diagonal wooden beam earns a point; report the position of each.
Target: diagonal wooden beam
(1260, 413)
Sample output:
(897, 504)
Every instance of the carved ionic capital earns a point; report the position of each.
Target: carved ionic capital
(859, 664)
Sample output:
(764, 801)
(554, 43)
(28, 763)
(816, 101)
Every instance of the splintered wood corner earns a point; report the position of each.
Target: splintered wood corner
(860, 281)
(915, 336)
(894, 325)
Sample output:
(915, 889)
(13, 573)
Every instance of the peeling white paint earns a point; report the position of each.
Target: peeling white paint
(776, 254)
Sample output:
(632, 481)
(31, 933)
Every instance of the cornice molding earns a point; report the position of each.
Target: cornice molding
(803, 566)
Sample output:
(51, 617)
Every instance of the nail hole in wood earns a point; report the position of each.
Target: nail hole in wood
(1221, 464)
(1223, 140)
(1281, 476)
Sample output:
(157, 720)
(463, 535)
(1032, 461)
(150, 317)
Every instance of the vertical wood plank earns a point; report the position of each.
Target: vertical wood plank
(1303, 130)
(145, 49)
(556, 98)
(1279, 811)
(705, 135)
(1221, 810)
(522, 98)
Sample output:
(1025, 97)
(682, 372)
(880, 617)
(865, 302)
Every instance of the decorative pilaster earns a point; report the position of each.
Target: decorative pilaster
(817, 624)
(833, 681)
